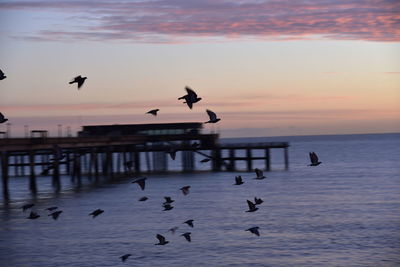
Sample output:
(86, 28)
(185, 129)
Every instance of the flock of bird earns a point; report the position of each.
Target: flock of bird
(189, 99)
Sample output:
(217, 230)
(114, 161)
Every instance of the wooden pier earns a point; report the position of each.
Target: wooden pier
(117, 156)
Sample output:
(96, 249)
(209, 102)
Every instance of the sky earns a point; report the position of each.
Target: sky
(266, 67)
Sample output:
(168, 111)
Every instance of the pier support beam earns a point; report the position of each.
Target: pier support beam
(286, 153)
(4, 174)
(267, 159)
(249, 159)
(32, 176)
(216, 159)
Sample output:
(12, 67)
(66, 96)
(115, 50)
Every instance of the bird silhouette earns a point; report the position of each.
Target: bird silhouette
(52, 208)
(2, 76)
(143, 198)
(254, 230)
(161, 240)
(173, 229)
(187, 236)
(55, 214)
(141, 182)
(153, 112)
(212, 116)
(33, 215)
(2, 118)
(128, 164)
(167, 207)
(314, 159)
(190, 98)
(238, 180)
(125, 257)
(168, 200)
(258, 201)
(185, 189)
(190, 223)
(27, 206)
(259, 174)
(96, 213)
(79, 80)
(252, 206)
(205, 160)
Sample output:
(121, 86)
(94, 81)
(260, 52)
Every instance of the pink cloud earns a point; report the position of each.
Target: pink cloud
(166, 21)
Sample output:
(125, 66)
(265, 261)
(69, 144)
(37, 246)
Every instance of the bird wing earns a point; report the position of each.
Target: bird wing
(251, 205)
(187, 236)
(141, 183)
(211, 114)
(259, 172)
(190, 104)
(313, 157)
(191, 94)
(160, 238)
(80, 83)
(1, 73)
(1, 116)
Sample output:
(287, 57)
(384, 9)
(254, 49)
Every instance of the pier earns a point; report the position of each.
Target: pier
(114, 151)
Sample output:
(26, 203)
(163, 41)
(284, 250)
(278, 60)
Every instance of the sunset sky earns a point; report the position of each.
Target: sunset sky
(267, 68)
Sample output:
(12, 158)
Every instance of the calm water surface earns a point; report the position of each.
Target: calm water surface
(345, 212)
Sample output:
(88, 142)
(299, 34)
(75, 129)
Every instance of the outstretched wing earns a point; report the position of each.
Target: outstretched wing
(1, 116)
(191, 93)
(211, 114)
(259, 172)
(251, 205)
(313, 157)
(1, 73)
(160, 238)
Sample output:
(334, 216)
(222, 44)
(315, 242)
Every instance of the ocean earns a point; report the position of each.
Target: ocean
(344, 212)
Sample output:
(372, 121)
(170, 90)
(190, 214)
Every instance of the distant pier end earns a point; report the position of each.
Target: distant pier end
(124, 149)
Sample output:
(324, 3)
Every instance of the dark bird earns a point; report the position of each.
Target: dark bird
(254, 230)
(258, 201)
(125, 257)
(2, 76)
(167, 207)
(238, 180)
(55, 214)
(153, 112)
(27, 206)
(187, 236)
(259, 174)
(189, 222)
(173, 229)
(205, 160)
(161, 240)
(52, 208)
(128, 164)
(141, 182)
(96, 213)
(195, 145)
(2, 118)
(314, 159)
(190, 97)
(168, 200)
(252, 206)
(79, 80)
(172, 152)
(143, 198)
(213, 117)
(33, 215)
(185, 190)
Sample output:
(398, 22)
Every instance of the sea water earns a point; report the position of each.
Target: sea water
(344, 212)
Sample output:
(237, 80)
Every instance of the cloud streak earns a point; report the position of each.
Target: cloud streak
(172, 21)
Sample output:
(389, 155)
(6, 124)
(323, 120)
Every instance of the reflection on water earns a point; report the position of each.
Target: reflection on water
(345, 212)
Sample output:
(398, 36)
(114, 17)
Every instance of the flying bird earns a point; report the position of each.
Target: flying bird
(167, 207)
(252, 206)
(141, 182)
(185, 190)
(33, 215)
(213, 117)
(190, 98)
(189, 222)
(52, 208)
(187, 236)
(258, 201)
(143, 198)
(2, 118)
(238, 180)
(79, 80)
(2, 76)
(161, 240)
(168, 200)
(173, 229)
(205, 160)
(259, 174)
(314, 159)
(153, 112)
(128, 164)
(27, 206)
(55, 214)
(254, 230)
(125, 257)
(96, 213)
